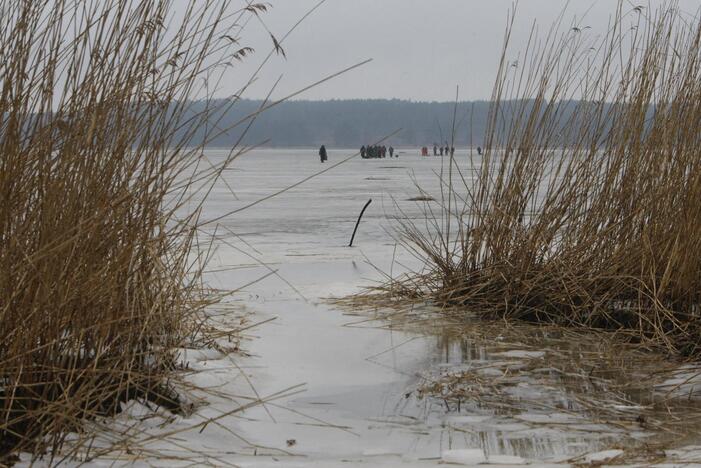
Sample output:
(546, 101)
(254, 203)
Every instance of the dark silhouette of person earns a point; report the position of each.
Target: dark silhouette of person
(441, 150)
(479, 150)
(362, 151)
(322, 154)
(391, 152)
(435, 149)
(452, 150)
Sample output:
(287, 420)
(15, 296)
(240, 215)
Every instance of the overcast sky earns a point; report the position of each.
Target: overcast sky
(421, 49)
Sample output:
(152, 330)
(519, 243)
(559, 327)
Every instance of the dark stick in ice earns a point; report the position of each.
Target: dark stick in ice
(358, 222)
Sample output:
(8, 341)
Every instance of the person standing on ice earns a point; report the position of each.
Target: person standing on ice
(362, 151)
(435, 149)
(391, 151)
(322, 153)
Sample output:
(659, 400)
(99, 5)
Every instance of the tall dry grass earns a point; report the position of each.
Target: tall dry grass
(99, 281)
(585, 208)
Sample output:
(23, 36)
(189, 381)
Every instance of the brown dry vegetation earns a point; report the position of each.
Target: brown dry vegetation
(99, 281)
(583, 213)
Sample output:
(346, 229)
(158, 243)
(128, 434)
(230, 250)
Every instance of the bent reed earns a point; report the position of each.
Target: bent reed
(100, 280)
(585, 207)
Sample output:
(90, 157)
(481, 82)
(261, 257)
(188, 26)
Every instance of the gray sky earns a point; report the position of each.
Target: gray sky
(421, 49)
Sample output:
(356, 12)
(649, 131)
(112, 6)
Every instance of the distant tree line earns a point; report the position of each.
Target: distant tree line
(352, 123)
(345, 123)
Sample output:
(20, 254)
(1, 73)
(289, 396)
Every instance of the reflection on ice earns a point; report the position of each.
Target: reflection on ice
(544, 393)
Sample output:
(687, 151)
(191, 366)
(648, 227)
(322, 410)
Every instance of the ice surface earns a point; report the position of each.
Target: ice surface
(518, 353)
(506, 460)
(467, 419)
(556, 418)
(464, 457)
(604, 455)
(684, 382)
(353, 410)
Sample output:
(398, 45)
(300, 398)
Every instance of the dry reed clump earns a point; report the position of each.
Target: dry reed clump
(584, 207)
(99, 281)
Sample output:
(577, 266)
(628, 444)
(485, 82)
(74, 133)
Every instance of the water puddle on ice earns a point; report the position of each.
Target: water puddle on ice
(544, 394)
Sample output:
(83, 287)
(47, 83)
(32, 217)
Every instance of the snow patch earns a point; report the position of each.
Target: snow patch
(198, 355)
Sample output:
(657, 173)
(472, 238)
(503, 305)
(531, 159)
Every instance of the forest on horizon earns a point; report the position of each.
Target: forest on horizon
(353, 123)
(349, 123)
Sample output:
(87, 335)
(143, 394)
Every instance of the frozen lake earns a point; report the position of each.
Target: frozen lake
(354, 400)
(355, 376)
